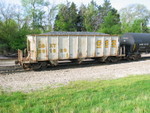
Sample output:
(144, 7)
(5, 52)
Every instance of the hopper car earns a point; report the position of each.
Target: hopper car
(49, 48)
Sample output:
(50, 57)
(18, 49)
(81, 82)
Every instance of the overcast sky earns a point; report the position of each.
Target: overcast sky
(118, 4)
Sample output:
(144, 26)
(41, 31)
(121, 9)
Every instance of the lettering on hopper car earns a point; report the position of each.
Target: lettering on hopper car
(113, 43)
(63, 50)
(98, 44)
(41, 51)
(53, 45)
(106, 44)
(52, 50)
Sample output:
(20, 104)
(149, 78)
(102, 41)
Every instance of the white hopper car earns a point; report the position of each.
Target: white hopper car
(49, 48)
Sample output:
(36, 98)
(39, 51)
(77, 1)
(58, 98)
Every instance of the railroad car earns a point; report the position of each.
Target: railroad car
(135, 44)
(51, 47)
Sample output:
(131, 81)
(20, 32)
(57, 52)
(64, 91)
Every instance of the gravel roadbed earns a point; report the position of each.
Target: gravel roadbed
(29, 81)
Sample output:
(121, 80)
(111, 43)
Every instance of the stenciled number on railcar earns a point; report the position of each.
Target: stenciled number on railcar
(98, 44)
(52, 50)
(53, 45)
(41, 51)
(114, 43)
(63, 50)
(106, 43)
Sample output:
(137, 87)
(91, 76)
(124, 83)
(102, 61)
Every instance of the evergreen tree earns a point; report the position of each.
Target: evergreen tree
(111, 24)
(106, 7)
(66, 19)
(90, 17)
(80, 18)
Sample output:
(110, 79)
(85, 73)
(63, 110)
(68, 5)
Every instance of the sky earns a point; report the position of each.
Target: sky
(118, 4)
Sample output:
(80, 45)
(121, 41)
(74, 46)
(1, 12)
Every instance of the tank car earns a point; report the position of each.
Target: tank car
(135, 44)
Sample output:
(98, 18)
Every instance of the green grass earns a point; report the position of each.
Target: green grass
(125, 95)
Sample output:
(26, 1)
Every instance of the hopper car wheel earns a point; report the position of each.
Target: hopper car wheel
(107, 61)
(43, 65)
(113, 59)
(36, 66)
(39, 66)
(26, 66)
(136, 57)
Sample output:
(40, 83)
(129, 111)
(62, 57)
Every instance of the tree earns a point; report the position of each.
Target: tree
(132, 15)
(66, 19)
(90, 17)
(105, 9)
(34, 9)
(50, 17)
(80, 18)
(7, 11)
(138, 26)
(111, 24)
(8, 31)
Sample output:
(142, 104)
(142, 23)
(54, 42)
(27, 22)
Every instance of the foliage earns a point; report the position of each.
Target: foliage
(105, 9)
(8, 31)
(134, 18)
(111, 24)
(138, 26)
(131, 94)
(81, 18)
(12, 37)
(35, 10)
(18, 21)
(38, 16)
(90, 17)
(66, 19)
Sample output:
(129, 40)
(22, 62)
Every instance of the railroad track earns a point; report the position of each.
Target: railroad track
(5, 70)
(10, 69)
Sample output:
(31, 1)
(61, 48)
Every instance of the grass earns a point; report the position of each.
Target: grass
(125, 95)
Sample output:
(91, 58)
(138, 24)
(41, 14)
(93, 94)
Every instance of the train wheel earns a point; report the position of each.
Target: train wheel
(43, 65)
(39, 66)
(26, 66)
(36, 66)
(113, 59)
(136, 57)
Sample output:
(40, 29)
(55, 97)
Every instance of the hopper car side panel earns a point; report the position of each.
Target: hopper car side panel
(72, 47)
(91, 47)
(53, 47)
(99, 45)
(82, 47)
(42, 48)
(63, 47)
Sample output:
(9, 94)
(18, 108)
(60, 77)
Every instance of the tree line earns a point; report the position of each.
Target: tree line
(39, 16)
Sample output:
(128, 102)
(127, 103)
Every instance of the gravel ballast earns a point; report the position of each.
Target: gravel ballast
(31, 80)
